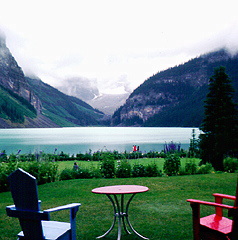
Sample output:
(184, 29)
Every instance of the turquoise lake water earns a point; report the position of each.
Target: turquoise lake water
(82, 139)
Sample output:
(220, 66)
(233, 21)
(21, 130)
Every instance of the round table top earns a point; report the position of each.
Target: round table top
(120, 189)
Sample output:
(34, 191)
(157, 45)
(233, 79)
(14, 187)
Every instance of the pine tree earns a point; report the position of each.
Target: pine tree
(220, 124)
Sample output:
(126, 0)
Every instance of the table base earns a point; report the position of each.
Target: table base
(123, 217)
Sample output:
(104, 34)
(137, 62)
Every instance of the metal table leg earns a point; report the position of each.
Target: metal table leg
(119, 213)
(127, 218)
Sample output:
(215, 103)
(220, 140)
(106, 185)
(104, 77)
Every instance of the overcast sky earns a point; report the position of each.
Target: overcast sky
(115, 42)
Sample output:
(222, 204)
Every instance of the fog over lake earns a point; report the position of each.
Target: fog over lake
(75, 140)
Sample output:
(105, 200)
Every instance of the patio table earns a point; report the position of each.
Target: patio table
(116, 196)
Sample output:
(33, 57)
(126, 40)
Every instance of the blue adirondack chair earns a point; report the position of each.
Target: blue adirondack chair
(36, 224)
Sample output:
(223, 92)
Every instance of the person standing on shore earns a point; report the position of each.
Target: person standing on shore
(134, 148)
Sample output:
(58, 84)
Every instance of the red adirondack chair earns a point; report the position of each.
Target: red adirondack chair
(216, 226)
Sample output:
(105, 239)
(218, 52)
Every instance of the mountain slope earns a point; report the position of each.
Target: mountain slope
(63, 109)
(175, 97)
(26, 102)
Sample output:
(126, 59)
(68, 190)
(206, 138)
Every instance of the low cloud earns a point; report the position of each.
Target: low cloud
(119, 45)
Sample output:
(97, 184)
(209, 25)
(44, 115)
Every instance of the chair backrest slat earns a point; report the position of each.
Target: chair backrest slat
(236, 201)
(25, 196)
(235, 216)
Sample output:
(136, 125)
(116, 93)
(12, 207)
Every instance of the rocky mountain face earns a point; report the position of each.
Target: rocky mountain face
(27, 102)
(12, 76)
(63, 109)
(175, 97)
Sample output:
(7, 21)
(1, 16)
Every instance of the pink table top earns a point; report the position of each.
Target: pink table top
(120, 189)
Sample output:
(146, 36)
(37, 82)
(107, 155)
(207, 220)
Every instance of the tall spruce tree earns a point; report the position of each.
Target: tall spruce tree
(220, 124)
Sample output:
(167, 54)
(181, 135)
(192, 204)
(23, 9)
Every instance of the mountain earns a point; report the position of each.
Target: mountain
(12, 76)
(175, 97)
(86, 89)
(108, 103)
(62, 109)
(29, 102)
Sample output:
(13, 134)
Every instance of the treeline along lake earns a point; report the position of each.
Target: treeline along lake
(83, 139)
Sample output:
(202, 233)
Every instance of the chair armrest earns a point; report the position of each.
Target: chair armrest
(194, 201)
(65, 207)
(224, 196)
(24, 214)
(73, 207)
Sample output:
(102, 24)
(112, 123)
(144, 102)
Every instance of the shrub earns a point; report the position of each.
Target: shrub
(5, 170)
(205, 169)
(44, 172)
(230, 164)
(96, 173)
(80, 173)
(172, 164)
(107, 166)
(138, 170)
(123, 169)
(67, 174)
(182, 171)
(83, 173)
(97, 156)
(190, 167)
(152, 154)
(134, 155)
(152, 170)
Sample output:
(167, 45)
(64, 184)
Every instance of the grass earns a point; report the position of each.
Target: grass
(161, 213)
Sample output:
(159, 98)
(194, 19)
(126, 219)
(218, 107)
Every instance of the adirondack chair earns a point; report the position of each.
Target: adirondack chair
(36, 224)
(216, 226)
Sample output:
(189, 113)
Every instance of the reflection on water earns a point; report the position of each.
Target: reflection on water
(81, 139)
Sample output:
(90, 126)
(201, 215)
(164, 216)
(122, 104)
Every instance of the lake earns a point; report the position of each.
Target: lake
(75, 140)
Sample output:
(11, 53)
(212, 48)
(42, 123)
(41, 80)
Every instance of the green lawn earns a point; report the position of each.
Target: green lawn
(161, 213)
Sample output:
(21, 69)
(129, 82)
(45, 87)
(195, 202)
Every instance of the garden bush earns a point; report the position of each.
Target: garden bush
(95, 172)
(80, 173)
(83, 173)
(230, 164)
(172, 164)
(123, 169)
(152, 154)
(5, 170)
(205, 169)
(138, 170)
(44, 172)
(67, 174)
(151, 170)
(190, 167)
(107, 166)
(133, 155)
